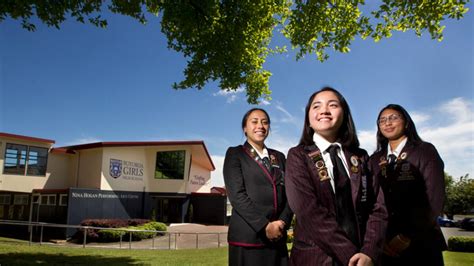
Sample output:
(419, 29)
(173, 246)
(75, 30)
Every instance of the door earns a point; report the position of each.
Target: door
(167, 210)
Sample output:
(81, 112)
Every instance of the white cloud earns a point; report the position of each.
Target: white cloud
(83, 140)
(217, 178)
(281, 142)
(286, 130)
(264, 102)
(419, 118)
(454, 136)
(287, 117)
(231, 95)
(368, 140)
(459, 109)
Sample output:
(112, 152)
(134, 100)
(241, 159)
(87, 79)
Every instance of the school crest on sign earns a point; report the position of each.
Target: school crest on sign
(115, 168)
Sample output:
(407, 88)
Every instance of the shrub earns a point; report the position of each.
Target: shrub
(461, 243)
(135, 222)
(109, 223)
(151, 226)
(97, 235)
(141, 235)
(109, 235)
(158, 226)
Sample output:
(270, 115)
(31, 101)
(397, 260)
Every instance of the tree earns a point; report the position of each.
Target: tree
(459, 195)
(229, 40)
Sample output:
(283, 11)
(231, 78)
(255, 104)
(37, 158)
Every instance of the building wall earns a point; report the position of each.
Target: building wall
(20, 183)
(138, 169)
(166, 185)
(99, 204)
(199, 179)
(89, 169)
(134, 170)
(99, 192)
(62, 170)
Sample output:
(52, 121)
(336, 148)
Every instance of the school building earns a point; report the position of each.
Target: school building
(165, 180)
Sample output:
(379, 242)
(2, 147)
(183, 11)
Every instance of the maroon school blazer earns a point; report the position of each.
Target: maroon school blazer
(318, 238)
(414, 194)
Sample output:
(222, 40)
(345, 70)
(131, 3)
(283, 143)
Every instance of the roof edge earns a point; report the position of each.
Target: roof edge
(130, 144)
(27, 138)
(140, 143)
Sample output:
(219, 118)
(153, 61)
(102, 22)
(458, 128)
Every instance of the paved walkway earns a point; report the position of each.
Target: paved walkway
(191, 236)
(179, 236)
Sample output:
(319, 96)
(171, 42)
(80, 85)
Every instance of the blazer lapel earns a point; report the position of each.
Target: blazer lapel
(275, 166)
(406, 151)
(355, 169)
(249, 150)
(321, 174)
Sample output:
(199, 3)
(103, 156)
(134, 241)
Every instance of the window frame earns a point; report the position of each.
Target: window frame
(42, 167)
(18, 158)
(23, 196)
(50, 199)
(27, 158)
(37, 200)
(176, 159)
(6, 196)
(61, 197)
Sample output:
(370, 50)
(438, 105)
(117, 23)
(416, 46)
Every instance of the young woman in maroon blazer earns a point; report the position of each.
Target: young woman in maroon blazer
(253, 175)
(340, 213)
(412, 178)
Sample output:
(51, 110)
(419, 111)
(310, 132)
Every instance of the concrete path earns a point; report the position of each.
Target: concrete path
(178, 236)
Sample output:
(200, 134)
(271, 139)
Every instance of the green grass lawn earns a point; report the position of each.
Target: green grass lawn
(15, 252)
(458, 258)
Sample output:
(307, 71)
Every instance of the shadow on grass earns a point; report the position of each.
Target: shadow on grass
(61, 259)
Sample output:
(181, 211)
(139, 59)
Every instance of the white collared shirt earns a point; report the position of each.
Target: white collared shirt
(263, 154)
(397, 150)
(323, 145)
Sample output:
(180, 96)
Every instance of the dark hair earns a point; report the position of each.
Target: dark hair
(347, 135)
(410, 129)
(247, 114)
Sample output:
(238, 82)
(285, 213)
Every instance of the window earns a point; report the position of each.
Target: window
(22, 159)
(15, 159)
(170, 164)
(20, 199)
(37, 161)
(48, 199)
(36, 198)
(4, 199)
(63, 200)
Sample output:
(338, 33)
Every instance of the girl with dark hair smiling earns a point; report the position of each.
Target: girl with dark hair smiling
(254, 179)
(340, 213)
(411, 174)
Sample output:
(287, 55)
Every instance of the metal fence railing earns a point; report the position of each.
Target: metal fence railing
(34, 232)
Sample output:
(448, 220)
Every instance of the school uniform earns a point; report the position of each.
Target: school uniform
(257, 195)
(319, 239)
(414, 190)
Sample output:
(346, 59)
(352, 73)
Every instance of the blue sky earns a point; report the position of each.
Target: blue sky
(83, 84)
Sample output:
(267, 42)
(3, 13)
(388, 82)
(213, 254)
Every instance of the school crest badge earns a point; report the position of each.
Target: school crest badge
(115, 169)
